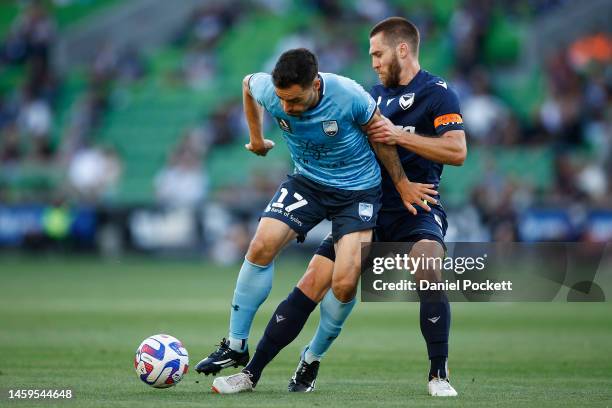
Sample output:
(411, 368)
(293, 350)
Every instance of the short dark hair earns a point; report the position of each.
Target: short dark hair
(295, 67)
(396, 30)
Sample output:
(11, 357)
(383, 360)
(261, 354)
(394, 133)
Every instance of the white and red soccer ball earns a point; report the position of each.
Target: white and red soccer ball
(161, 361)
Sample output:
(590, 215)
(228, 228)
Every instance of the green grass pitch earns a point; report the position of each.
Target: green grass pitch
(76, 322)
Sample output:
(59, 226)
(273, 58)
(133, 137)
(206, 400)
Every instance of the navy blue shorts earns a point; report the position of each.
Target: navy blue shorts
(401, 226)
(302, 203)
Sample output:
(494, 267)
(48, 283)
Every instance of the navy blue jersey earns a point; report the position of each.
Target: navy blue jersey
(426, 106)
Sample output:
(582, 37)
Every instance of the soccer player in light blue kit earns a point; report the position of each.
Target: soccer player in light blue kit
(336, 177)
(423, 119)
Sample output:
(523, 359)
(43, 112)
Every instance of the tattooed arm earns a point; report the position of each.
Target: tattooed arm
(411, 193)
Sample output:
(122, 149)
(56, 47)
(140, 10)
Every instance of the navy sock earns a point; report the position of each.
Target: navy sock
(435, 326)
(284, 326)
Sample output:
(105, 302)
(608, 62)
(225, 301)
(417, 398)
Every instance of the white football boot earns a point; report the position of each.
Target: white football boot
(233, 384)
(440, 387)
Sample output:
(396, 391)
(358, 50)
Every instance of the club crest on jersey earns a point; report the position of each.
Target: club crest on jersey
(406, 100)
(330, 127)
(366, 210)
(284, 124)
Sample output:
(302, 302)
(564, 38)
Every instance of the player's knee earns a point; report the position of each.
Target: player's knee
(317, 279)
(311, 287)
(433, 254)
(427, 248)
(259, 252)
(344, 289)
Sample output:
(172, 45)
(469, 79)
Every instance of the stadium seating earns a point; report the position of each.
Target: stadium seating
(148, 117)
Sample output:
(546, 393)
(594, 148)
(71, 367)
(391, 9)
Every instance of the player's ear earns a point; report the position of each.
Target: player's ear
(316, 84)
(403, 50)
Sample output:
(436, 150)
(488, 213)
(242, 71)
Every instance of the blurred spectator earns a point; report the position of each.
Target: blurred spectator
(231, 245)
(85, 116)
(10, 150)
(334, 50)
(485, 115)
(34, 116)
(41, 151)
(104, 63)
(465, 225)
(228, 123)
(201, 33)
(592, 181)
(227, 236)
(31, 35)
(230, 220)
(198, 68)
(198, 139)
(6, 112)
(277, 7)
(212, 20)
(182, 182)
(93, 173)
(372, 11)
(130, 65)
(249, 199)
(597, 47)
(300, 38)
(468, 28)
(331, 9)
(565, 188)
(511, 132)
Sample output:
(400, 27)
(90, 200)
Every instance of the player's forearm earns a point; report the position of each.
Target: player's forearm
(390, 159)
(253, 113)
(443, 149)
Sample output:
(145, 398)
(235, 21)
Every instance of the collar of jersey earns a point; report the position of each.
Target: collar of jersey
(321, 93)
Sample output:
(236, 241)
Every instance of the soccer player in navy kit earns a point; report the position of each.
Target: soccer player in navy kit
(421, 116)
(336, 177)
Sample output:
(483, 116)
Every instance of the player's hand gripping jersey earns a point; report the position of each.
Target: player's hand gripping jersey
(425, 106)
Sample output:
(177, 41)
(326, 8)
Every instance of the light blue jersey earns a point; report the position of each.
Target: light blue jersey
(326, 142)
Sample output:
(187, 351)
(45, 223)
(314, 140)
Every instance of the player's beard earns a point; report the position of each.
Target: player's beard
(392, 80)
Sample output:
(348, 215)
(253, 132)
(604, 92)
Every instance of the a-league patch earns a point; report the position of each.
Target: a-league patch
(366, 210)
(284, 124)
(330, 127)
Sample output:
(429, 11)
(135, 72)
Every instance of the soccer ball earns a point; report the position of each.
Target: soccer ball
(161, 361)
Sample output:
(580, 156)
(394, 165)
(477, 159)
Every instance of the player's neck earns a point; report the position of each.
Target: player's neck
(409, 71)
(315, 101)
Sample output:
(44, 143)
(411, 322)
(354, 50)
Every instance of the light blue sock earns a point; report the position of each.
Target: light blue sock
(252, 288)
(333, 315)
